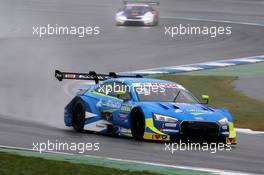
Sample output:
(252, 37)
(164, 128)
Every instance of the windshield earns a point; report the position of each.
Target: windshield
(166, 95)
(137, 9)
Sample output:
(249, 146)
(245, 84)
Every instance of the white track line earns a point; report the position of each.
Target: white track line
(249, 131)
(208, 170)
(218, 63)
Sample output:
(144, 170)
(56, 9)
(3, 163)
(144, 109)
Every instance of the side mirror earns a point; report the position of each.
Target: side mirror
(120, 92)
(206, 98)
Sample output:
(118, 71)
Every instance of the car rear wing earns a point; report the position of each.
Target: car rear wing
(142, 2)
(90, 76)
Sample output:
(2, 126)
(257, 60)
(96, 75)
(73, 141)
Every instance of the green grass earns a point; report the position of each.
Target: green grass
(246, 111)
(20, 162)
(20, 165)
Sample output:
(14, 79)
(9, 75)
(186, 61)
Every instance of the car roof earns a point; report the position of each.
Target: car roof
(130, 81)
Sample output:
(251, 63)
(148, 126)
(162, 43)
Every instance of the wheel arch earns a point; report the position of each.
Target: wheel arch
(68, 111)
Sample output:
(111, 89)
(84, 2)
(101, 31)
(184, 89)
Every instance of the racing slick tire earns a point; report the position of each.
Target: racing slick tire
(137, 124)
(156, 22)
(118, 24)
(78, 117)
(221, 140)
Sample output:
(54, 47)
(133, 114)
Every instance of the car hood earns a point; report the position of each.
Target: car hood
(133, 13)
(186, 111)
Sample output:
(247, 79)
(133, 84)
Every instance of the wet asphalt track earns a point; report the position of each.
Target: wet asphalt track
(32, 101)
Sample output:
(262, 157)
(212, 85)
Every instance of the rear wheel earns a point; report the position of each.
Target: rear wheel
(137, 124)
(78, 117)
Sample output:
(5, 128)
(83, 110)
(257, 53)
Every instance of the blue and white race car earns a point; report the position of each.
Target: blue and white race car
(144, 108)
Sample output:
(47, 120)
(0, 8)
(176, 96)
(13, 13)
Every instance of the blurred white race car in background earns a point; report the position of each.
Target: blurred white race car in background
(137, 13)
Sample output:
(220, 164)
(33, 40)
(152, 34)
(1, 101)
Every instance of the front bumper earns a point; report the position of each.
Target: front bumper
(135, 22)
(191, 130)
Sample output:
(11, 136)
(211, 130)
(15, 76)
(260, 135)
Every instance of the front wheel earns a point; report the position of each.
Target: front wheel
(78, 117)
(137, 124)
(156, 21)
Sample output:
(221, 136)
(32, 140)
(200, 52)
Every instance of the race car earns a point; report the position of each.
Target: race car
(137, 13)
(144, 108)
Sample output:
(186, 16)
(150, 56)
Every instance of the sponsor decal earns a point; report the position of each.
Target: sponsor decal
(100, 126)
(92, 77)
(134, 14)
(160, 85)
(198, 118)
(70, 75)
(124, 131)
(123, 115)
(199, 112)
(125, 108)
(108, 104)
(224, 127)
(225, 133)
(170, 130)
(159, 137)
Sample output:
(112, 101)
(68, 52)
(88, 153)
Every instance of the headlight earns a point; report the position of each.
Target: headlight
(164, 118)
(121, 18)
(223, 121)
